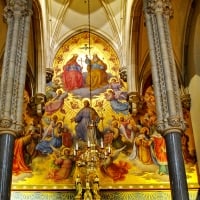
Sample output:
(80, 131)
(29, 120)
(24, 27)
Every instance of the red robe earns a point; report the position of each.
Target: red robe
(19, 165)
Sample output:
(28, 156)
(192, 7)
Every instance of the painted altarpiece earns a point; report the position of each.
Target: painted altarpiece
(128, 152)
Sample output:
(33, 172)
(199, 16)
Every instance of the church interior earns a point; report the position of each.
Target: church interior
(83, 91)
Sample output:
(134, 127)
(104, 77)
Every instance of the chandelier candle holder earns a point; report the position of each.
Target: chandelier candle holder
(89, 157)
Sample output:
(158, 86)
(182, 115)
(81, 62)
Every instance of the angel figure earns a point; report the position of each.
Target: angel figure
(56, 103)
(116, 171)
(117, 105)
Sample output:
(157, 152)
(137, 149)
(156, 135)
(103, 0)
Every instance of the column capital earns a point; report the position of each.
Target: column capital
(171, 124)
(18, 8)
(5, 122)
(159, 6)
(8, 126)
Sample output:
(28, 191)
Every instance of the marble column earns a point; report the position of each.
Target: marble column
(170, 121)
(17, 14)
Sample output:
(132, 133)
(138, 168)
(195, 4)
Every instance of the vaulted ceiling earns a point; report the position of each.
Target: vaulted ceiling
(110, 19)
(64, 16)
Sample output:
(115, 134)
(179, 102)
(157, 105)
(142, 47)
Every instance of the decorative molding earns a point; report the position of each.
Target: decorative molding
(18, 61)
(5, 123)
(105, 195)
(10, 127)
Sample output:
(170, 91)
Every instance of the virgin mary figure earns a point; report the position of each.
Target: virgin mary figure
(72, 74)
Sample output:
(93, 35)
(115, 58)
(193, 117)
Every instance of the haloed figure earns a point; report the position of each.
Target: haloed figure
(97, 76)
(83, 119)
(72, 74)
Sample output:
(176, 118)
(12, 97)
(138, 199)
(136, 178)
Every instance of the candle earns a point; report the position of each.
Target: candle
(109, 149)
(88, 143)
(102, 143)
(74, 152)
(76, 146)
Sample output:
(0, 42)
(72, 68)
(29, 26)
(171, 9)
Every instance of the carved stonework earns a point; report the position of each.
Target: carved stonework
(160, 6)
(17, 13)
(18, 7)
(173, 124)
(160, 88)
(169, 110)
(18, 69)
(9, 127)
(5, 123)
(174, 121)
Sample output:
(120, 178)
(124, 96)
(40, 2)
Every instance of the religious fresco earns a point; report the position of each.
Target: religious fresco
(86, 135)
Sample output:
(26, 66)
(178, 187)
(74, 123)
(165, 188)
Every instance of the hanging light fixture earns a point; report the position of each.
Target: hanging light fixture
(88, 187)
(89, 46)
